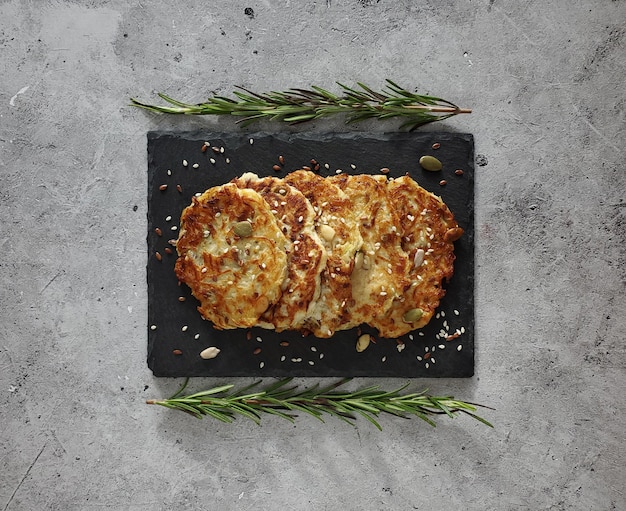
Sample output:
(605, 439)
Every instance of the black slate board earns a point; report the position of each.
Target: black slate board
(176, 325)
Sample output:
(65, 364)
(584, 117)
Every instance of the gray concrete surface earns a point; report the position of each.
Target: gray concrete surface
(545, 80)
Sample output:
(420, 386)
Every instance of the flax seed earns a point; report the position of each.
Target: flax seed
(163, 188)
(158, 256)
(177, 352)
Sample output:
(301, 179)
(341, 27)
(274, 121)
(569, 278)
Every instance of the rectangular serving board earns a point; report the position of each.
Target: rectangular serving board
(173, 320)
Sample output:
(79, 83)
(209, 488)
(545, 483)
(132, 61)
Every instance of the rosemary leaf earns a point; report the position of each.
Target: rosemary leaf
(282, 400)
(295, 106)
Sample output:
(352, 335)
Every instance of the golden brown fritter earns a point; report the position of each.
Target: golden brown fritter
(232, 255)
(338, 229)
(428, 232)
(306, 255)
(381, 266)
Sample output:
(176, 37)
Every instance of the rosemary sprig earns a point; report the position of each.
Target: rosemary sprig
(284, 400)
(300, 105)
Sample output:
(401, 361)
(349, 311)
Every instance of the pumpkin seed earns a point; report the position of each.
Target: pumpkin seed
(363, 342)
(209, 353)
(358, 261)
(430, 163)
(413, 315)
(243, 229)
(327, 232)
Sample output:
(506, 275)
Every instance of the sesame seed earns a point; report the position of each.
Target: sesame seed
(353, 166)
(311, 363)
(195, 165)
(462, 329)
(168, 218)
(426, 365)
(432, 360)
(153, 327)
(184, 329)
(443, 314)
(212, 160)
(456, 312)
(169, 172)
(438, 315)
(227, 160)
(383, 293)
(295, 360)
(221, 150)
(300, 218)
(426, 349)
(421, 334)
(197, 194)
(441, 346)
(262, 365)
(326, 166)
(251, 141)
(258, 339)
(313, 348)
(459, 347)
(283, 358)
(338, 171)
(204, 269)
(185, 163)
(411, 336)
(173, 228)
(321, 356)
(207, 144)
(263, 265)
(384, 359)
(197, 336)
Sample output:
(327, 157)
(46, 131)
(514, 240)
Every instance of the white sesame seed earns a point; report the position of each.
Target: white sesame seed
(169, 172)
(326, 166)
(283, 358)
(204, 269)
(184, 329)
(173, 228)
(282, 191)
(153, 327)
(185, 163)
(426, 348)
(197, 194)
(442, 346)
(227, 160)
(197, 336)
(443, 314)
(212, 160)
(462, 329)
(321, 356)
(195, 165)
(459, 347)
(353, 166)
(432, 360)
(456, 312)
(445, 323)
(295, 360)
(384, 359)
(419, 358)
(421, 334)
(313, 348)
(251, 141)
(338, 171)
(208, 144)
(206, 234)
(426, 365)
(258, 339)
(311, 363)
(262, 365)
(218, 214)
(438, 315)
(383, 293)
(168, 218)
(411, 336)
(221, 150)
